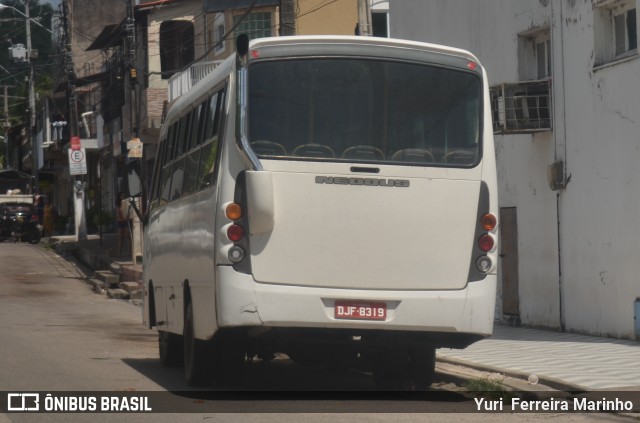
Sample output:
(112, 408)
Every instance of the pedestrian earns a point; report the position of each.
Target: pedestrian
(49, 217)
(122, 224)
(40, 208)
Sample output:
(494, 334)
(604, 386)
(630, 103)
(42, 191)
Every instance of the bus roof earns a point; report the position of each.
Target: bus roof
(358, 41)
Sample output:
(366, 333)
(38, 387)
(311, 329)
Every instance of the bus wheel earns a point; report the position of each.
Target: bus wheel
(197, 354)
(390, 370)
(229, 360)
(409, 367)
(171, 348)
(422, 366)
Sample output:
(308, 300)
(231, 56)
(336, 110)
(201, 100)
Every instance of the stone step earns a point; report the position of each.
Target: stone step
(135, 289)
(130, 286)
(131, 273)
(97, 285)
(107, 277)
(118, 294)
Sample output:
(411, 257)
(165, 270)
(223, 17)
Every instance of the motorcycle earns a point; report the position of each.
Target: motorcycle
(19, 222)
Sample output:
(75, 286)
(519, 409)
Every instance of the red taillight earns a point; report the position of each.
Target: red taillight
(235, 233)
(486, 242)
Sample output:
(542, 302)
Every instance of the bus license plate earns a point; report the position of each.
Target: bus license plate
(360, 310)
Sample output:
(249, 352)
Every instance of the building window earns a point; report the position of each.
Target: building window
(255, 25)
(218, 33)
(380, 23)
(534, 55)
(616, 31)
(625, 34)
(176, 46)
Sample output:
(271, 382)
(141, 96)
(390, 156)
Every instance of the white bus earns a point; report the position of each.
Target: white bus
(330, 198)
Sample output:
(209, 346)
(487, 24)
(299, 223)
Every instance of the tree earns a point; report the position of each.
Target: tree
(13, 32)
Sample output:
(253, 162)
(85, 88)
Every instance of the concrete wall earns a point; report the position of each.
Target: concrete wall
(596, 116)
(322, 18)
(87, 18)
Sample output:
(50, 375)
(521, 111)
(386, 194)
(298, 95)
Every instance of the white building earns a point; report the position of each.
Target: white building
(568, 149)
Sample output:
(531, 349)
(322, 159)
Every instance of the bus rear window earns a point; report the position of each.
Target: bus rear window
(365, 110)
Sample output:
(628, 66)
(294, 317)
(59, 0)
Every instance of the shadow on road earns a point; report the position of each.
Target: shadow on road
(280, 386)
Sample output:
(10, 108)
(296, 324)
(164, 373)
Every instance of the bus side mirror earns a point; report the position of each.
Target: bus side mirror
(134, 179)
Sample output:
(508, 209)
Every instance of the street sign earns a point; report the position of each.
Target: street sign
(76, 143)
(77, 161)
(135, 148)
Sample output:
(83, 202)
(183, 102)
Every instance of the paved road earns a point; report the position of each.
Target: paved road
(57, 335)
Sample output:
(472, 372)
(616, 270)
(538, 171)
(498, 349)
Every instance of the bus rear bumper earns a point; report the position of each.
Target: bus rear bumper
(241, 301)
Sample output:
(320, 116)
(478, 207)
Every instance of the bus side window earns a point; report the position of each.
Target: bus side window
(171, 140)
(208, 163)
(209, 154)
(195, 132)
(211, 127)
(165, 184)
(155, 182)
(202, 127)
(183, 134)
(165, 175)
(191, 172)
(177, 178)
(192, 159)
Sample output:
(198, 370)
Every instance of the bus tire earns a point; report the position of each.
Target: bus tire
(390, 368)
(422, 366)
(229, 360)
(197, 354)
(409, 367)
(171, 349)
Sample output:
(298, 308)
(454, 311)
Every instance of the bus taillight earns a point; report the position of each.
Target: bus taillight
(235, 233)
(486, 243)
(488, 222)
(233, 211)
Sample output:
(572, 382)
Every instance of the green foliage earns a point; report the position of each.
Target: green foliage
(12, 32)
(488, 388)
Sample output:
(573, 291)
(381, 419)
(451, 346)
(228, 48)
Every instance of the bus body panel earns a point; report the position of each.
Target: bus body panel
(355, 232)
(243, 302)
(181, 251)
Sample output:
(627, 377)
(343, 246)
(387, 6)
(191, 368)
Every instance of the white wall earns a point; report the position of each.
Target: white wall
(596, 117)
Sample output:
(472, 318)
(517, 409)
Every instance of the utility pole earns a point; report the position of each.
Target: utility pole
(364, 17)
(6, 125)
(134, 122)
(32, 104)
(78, 188)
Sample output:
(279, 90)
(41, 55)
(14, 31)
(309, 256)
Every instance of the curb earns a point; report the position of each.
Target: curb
(520, 379)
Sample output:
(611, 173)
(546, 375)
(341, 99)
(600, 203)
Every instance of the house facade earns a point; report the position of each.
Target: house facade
(566, 116)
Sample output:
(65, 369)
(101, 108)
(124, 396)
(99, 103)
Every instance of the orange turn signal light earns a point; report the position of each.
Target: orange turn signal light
(233, 211)
(488, 222)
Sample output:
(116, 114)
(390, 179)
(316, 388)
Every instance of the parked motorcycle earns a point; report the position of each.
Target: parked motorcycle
(19, 222)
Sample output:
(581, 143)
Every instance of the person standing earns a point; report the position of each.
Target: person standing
(48, 221)
(122, 224)
(39, 205)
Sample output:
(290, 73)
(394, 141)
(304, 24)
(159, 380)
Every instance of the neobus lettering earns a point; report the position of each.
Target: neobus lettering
(371, 182)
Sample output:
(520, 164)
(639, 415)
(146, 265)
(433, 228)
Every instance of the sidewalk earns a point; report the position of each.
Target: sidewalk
(563, 361)
(560, 361)
(98, 255)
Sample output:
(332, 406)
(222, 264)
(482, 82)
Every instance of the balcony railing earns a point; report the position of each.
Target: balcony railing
(182, 82)
(521, 107)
